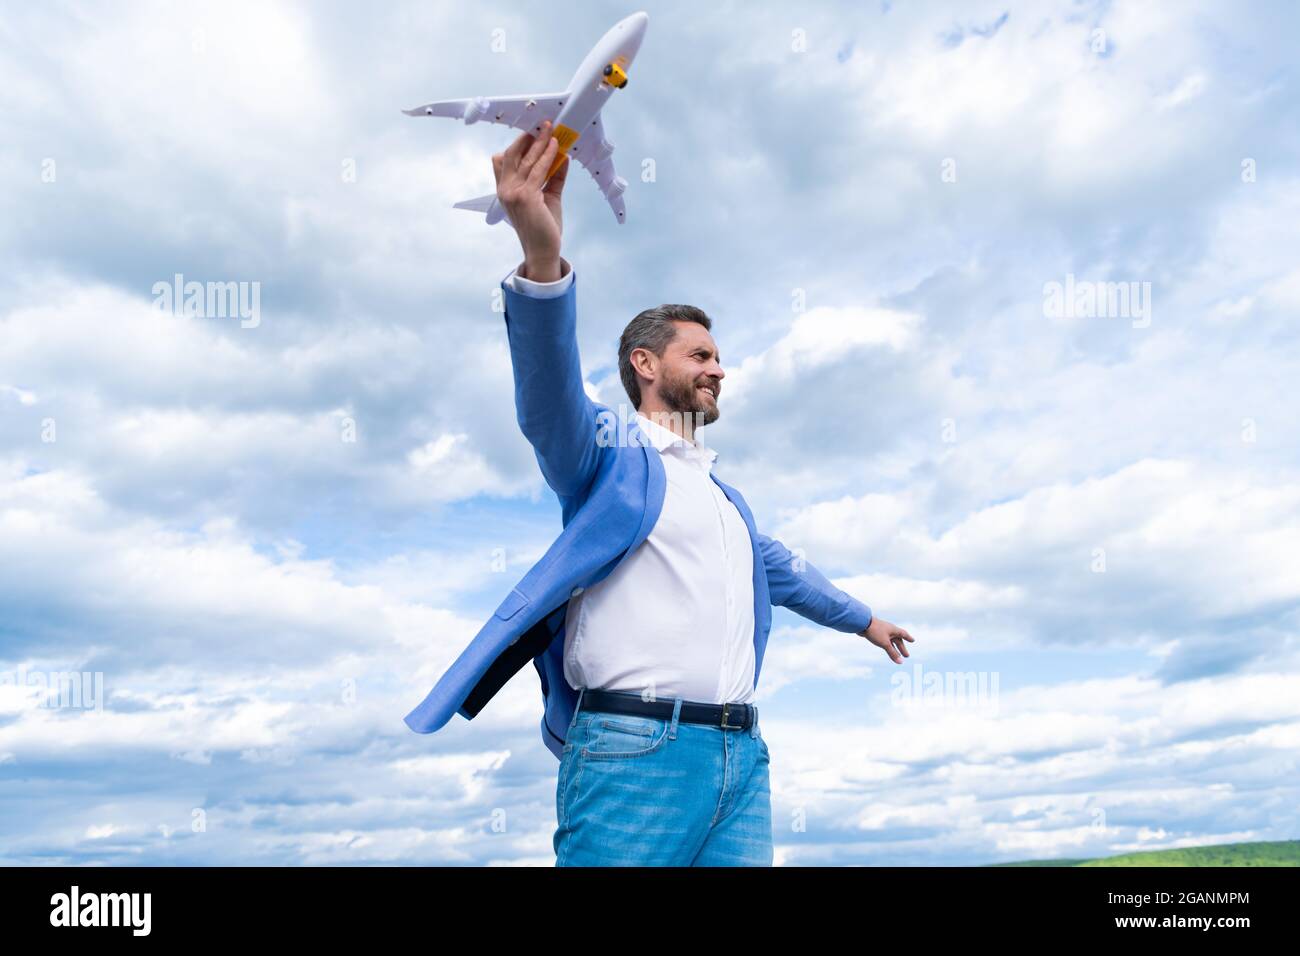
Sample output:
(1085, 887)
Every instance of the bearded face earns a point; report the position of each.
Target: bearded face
(691, 394)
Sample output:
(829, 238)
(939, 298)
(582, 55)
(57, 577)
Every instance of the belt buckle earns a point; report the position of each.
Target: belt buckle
(726, 709)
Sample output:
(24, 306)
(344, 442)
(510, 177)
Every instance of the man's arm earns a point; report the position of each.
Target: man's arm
(532, 201)
(796, 584)
(552, 409)
(540, 290)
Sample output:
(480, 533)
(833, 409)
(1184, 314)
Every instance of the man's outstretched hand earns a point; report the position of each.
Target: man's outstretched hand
(534, 208)
(888, 637)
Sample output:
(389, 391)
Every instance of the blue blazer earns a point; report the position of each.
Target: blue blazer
(610, 483)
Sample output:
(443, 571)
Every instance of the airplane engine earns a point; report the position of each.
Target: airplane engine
(475, 110)
(614, 75)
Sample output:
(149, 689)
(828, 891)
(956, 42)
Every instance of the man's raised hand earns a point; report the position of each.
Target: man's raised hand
(533, 206)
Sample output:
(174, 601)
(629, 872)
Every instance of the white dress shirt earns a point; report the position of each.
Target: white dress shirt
(542, 290)
(676, 618)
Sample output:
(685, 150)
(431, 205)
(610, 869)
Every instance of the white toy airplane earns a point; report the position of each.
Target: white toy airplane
(574, 115)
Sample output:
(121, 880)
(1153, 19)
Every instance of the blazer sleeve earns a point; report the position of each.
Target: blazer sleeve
(796, 584)
(552, 409)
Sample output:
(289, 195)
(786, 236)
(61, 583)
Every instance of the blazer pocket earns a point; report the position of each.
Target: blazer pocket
(511, 605)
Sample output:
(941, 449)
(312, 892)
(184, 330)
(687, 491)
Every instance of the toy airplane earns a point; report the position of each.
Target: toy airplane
(574, 115)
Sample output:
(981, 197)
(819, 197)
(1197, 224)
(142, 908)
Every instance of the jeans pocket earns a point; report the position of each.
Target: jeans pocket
(623, 735)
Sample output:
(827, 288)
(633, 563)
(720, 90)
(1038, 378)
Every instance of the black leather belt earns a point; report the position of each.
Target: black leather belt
(727, 716)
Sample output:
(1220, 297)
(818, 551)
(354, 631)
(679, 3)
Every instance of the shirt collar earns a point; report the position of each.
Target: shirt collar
(665, 438)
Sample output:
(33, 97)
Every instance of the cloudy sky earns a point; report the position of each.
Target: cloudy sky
(269, 535)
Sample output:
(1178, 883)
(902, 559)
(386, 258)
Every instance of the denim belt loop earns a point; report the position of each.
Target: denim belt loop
(577, 707)
(753, 726)
(677, 709)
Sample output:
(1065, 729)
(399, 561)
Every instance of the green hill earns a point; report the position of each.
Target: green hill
(1280, 853)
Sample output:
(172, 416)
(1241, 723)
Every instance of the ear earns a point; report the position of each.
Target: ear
(643, 361)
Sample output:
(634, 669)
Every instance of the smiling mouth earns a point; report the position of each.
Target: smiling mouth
(710, 392)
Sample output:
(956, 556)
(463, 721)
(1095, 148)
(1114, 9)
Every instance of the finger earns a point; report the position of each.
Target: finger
(893, 654)
(560, 174)
(498, 163)
(538, 173)
(540, 142)
(555, 185)
(898, 643)
(516, 149)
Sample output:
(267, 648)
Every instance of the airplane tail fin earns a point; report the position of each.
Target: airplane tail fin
(488, 204)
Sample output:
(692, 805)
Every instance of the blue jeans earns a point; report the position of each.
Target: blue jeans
(645, 791)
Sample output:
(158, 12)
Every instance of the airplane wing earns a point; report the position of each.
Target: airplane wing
(596, 154)
(524, 113)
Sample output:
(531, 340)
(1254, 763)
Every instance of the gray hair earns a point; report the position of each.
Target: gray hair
(653, 329)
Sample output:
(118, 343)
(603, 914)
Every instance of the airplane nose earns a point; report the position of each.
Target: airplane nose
(634, 26)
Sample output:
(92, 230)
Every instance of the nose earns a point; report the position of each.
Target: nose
(633, 29)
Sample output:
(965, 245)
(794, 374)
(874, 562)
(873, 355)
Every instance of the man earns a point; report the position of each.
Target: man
(660, 584)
